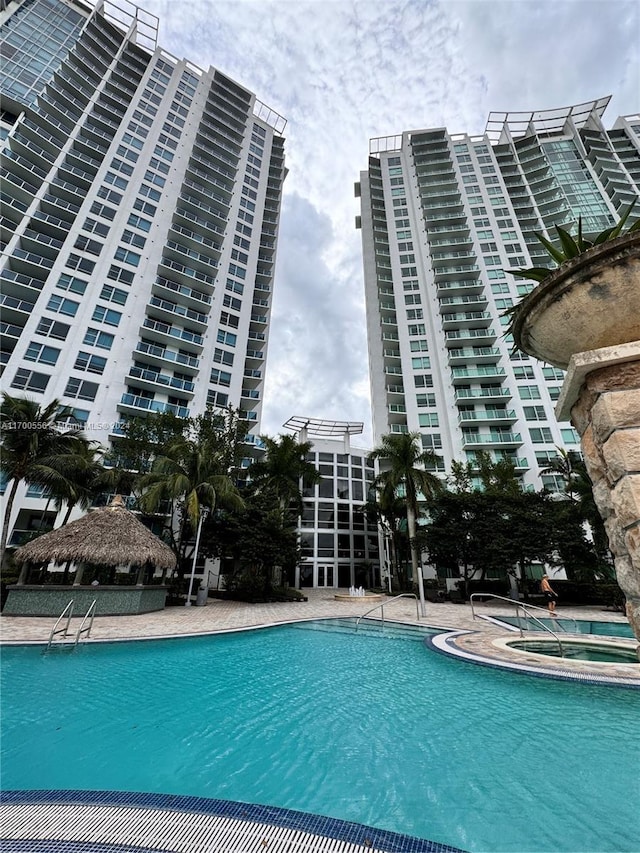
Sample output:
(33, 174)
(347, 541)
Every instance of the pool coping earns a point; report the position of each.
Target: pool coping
(446, 644)
(440, 638)
(29, 814)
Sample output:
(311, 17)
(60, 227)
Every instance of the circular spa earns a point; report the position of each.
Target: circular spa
(596, 652)
(372, 727)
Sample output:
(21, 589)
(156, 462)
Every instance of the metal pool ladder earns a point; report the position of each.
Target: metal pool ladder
(66, 615)
(381, 606)
(525, 610)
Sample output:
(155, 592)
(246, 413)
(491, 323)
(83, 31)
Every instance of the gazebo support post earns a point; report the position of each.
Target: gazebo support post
(24, 571)
(140, 576)
(78, 577)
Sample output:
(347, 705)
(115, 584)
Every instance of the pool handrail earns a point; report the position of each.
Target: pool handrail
(91, 612)
(68, 612)
(382, 604)
(518, 605)
(525, 606)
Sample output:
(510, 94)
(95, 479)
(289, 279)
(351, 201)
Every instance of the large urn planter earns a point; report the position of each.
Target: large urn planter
(590, 302)
(585, 318)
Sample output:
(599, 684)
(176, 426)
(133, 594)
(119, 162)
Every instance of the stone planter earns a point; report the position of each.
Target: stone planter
(585, 318)
(590, 302)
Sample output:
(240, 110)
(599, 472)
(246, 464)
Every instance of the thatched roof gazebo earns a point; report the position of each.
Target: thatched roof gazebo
(109, 536)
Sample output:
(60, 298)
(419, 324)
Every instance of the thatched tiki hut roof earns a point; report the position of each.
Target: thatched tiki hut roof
(109, 536)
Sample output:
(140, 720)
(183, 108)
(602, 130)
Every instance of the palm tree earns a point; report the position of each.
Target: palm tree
(401, 454)
(566, 465)
(80, 479)
(190, 474)
(388, 511)
(36, 448)
(279, 473)
(282, 469)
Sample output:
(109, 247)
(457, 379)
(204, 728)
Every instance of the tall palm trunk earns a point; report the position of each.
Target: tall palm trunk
(415, 560)
(8, 507)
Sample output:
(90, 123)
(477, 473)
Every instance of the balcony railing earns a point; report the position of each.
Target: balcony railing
(153, 405)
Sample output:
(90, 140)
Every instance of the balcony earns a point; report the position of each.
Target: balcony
(496, 439)
(464, 337)
(465, 319)
(129, 402)
(477, 355)
(494, 394)
(173, 331)
(187, 272)
(172, 308)
(493, 416)
(461, 375)
(475, 300)
(197, 298)
(156, 353)
(153, 378)
(14, 308)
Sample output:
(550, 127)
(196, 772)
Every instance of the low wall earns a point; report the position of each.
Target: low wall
(32, 600)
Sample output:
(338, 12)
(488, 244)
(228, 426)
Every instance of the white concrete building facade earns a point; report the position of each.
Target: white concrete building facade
(140, 208)
(339, 544)
(444, 217)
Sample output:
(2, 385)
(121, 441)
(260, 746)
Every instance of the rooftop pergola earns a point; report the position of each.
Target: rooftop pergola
(542, 121)
(322, 428)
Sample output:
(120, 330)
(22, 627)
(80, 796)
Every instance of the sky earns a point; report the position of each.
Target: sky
(344, 71)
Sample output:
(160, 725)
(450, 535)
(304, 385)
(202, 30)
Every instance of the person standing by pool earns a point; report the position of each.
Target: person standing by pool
(549, 594)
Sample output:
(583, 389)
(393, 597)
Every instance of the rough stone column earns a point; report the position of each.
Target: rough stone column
(602, 395)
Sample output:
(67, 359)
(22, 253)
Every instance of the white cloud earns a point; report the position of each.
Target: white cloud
(347, 70)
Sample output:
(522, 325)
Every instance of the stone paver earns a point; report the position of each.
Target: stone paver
(219, 615)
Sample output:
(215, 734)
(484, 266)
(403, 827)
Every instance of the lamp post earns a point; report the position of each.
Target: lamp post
(203, 514)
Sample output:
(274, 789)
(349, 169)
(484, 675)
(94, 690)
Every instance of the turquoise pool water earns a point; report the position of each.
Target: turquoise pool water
(577, 651)
(366, 727)
(579, 626)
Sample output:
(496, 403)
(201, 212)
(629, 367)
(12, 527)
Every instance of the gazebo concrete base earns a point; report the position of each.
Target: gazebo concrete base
(32, 600)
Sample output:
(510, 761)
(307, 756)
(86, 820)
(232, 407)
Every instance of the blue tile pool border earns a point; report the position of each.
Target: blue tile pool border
(342, 830)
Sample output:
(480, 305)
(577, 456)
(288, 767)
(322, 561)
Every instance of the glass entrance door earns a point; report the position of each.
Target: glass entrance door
(325, 576)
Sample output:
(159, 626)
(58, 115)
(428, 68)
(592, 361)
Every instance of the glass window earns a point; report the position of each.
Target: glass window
(91, 363)
(61, 305)
(529, 392)
(29, 380)
(81, 389)
(53, 328)
(325, 488)
(326, 515)
(326, 546)
(94, 337)
(42, 353)
(106, 315)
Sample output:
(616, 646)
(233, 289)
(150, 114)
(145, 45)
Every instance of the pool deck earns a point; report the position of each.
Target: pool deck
(470, 639)
(106, 822)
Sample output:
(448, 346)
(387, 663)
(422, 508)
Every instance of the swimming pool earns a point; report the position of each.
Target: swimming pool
(577, 650)
(369, 727)
(572, 626)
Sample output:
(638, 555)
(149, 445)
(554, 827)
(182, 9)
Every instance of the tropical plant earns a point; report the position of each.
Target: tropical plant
(197, 469)
(252, 542)
(563, 465)
(80, 476)
(388, 512)
(570, 247)
(282, 468)
(404, 464)
(38, 448)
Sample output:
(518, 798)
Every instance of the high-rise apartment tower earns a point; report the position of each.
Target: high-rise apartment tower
(444, 217)
(140, 205)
